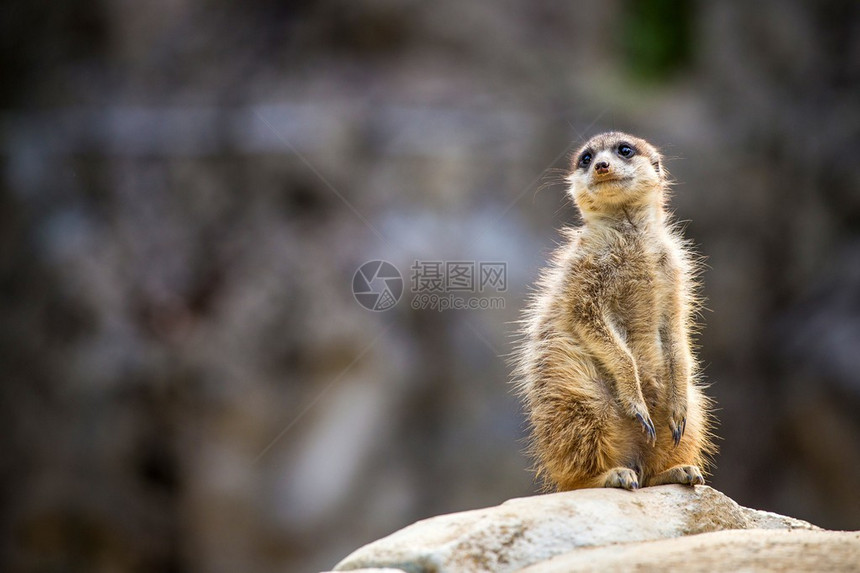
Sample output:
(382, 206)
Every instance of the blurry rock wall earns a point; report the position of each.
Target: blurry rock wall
(188, 188)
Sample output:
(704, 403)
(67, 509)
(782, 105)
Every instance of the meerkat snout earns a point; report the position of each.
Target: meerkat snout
(602, 167)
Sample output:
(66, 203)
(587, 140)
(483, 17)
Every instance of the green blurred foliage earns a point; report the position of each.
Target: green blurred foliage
(657, 38)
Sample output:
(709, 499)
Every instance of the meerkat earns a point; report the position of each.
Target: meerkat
(605, 366)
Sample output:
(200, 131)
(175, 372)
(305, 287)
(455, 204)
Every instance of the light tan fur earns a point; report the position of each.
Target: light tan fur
(606, 366)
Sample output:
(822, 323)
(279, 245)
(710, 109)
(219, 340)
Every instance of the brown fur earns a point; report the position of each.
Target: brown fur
(606, 347)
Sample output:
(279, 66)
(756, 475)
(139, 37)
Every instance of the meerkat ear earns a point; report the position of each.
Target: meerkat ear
(656, 164)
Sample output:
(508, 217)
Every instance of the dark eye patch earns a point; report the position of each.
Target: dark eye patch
(585, 158)
(626, 150)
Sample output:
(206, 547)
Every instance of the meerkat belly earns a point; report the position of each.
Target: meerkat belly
(636, 299)
(637, 313)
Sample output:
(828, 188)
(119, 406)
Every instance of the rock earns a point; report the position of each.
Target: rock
(528, 531)
(378, 570)
(728, 551)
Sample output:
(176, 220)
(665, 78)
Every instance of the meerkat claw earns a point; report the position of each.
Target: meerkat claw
(648, 428)
(678, 430)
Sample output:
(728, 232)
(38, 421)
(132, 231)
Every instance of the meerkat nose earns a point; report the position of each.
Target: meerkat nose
(602, 167)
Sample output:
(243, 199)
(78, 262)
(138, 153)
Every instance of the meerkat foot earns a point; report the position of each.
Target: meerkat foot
(621, 477)
(685, 475)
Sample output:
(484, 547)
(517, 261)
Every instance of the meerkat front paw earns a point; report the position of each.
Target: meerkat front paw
(678, 421)
(623, 478)
(640, 412)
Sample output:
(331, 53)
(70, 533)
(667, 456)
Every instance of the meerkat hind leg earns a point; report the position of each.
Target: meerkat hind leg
(621, 477)
(683, 474)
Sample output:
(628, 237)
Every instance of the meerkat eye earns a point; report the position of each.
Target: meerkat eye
(625, 150)
(585, 159)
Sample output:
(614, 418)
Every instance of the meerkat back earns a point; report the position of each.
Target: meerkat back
(605, 366)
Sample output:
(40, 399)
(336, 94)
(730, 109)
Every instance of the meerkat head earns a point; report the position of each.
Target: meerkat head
(614, 171)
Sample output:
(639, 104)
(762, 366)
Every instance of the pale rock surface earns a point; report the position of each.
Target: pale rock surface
(576, 530)
(720, 551)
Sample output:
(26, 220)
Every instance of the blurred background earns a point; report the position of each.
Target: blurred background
(188, 187)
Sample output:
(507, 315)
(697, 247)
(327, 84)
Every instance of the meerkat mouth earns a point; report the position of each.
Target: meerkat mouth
(610, 179)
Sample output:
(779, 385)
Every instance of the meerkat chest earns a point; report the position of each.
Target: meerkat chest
(634, 261)
(637, 273)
